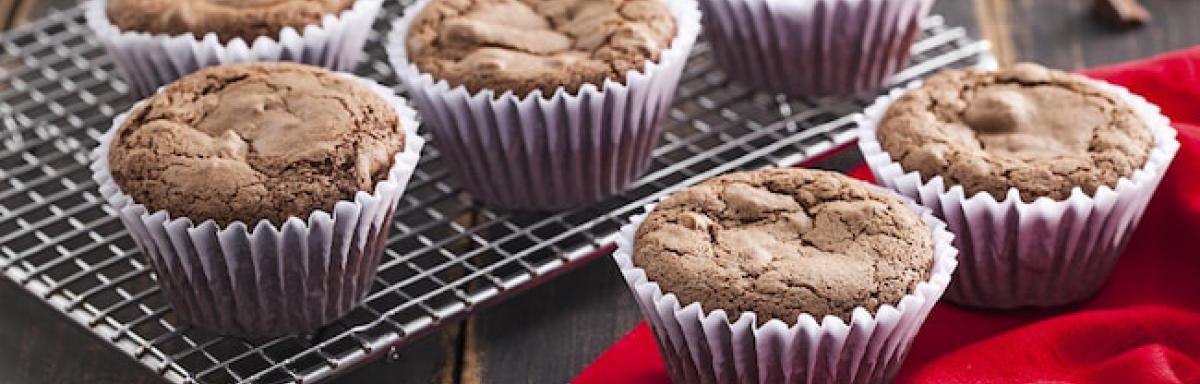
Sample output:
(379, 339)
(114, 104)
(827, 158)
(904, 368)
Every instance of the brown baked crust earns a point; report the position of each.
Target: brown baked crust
(247, 19)
(255, 141)
(525, 45)
(1040, 131)
(783, 242)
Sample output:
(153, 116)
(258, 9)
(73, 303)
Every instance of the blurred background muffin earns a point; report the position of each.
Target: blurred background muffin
(813, 47)
(157, 41)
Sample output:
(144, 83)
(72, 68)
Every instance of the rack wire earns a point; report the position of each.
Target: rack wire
(447, 256)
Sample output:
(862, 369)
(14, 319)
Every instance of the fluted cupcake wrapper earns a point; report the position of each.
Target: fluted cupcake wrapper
(814, 47)
(148, 61)
(1040, 254)
(706, 346)
(553, 151)
(264, 280)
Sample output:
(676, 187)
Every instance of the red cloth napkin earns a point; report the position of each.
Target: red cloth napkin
(1143, 327)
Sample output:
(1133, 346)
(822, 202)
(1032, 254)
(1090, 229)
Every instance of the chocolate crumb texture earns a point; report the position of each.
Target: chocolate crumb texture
(229, 19)
(784, 242)
(255, 141)
(1041, 131)
(527, 45)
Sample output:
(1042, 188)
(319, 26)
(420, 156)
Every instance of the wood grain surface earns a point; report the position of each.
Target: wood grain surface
(551, 332)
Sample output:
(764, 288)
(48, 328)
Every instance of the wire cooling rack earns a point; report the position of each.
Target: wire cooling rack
(447, 256)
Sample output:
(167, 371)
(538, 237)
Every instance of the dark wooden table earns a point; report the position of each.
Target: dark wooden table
(549, 333)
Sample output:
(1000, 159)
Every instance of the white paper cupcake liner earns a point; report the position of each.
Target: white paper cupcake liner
(148, 61)
(265, 280)
(813, 47)
(1039, 254)
(706, 346)
(548, 152)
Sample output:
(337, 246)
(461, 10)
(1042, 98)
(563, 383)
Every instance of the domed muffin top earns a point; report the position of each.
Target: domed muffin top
(1041, 131)
(255, 141)
(784, 242)
(247, 19)
(527, 45)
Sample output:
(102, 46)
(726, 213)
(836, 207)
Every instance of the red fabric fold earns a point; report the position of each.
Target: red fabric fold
(1143, 327)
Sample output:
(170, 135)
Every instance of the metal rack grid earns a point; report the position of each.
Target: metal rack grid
(447, 256)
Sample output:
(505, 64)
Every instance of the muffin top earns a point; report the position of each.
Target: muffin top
(247, 19)
(783, 242)
(255, 141)
(524, 45)
(1038, 130)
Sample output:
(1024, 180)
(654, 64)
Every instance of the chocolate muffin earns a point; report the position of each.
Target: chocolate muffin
(784, 242)
(1041, 131)
(255, 141)
(810, 48)
(229, 19)
(523, 45)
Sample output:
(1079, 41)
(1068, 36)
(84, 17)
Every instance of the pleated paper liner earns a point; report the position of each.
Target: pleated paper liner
(259, 280)
(813, 47)
(1040, 254)
(546, 152)
(148, 61)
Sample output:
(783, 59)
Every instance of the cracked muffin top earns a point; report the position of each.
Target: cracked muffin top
(1041, 131)
(783, 242)
(247, 19)
(255, 141)
(525, 45)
